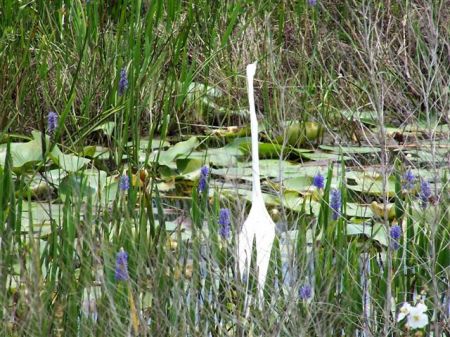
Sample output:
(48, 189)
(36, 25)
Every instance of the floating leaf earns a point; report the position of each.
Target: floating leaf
(377, 232)
(366, 117)
(266, 150)
(23, 155)
(299, 184)
(107, 128)
(373, 186)
(350, 149)
(323, 156)
(68, 162)
(179, 150)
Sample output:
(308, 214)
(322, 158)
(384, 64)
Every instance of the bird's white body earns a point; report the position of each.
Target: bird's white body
(259, 224)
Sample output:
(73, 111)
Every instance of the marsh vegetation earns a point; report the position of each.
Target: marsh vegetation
(125, 167)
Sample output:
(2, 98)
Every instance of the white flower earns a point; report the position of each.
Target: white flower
(417, 318)
(422, 307)
(404, 311)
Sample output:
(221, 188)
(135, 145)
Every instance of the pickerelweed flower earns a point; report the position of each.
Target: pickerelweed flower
(396, 233)
(425, 192)
(409, 180)
(52, 121)
(121, 272)
(319, 180)
(123, 82)
(312, 2)
(124, 183)
(224, 222)
(305, 292)
(335, 203)
(204, 171)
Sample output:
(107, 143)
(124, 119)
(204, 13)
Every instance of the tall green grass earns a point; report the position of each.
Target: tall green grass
(316, 62)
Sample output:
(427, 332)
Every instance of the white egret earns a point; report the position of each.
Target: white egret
(258, 224)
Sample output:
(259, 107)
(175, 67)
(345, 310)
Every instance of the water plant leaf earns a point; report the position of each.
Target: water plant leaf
(24, 155)
(107, 128)
(376, 232)
(358, 211)
(38, 213)
(299, 184)
(89, 182)
(225, 156)
(179, 150)
(369, 117)
(156, 143)
(269, 199)
(266, 150)
(323, 156)
(350, 149)
(68, 162)
(369, 185)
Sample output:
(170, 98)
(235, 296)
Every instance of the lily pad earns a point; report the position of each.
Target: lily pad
(266, 150)
(376, 232)
(350, 149)
(107, 128)
(179, 150)
(23, 155)
(323, 156)
(68, 162)
(299, 184)
(373, 186)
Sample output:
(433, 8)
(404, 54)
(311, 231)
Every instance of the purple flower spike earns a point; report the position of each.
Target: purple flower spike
(52, 121)
(396, 233)
(123, 82)
(121, 273)
(335, 203)
(124, 183)
(425, 193)
(305, 292)
(204, 171)
(409, 179)
(319, 180)
(312, 2)
(224, 222)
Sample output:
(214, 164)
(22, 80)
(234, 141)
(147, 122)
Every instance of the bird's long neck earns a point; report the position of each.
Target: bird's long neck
(256, 190)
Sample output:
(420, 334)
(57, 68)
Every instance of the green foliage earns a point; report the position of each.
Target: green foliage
(368, 80)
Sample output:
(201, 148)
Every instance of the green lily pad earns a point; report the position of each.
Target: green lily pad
(366, 117)
(317, 156)
(68, 162)
(23, 155)
(155, 144)
(179, 150)
(225, 156)
(377, 232)
(358, 211)
(83, 184)
(299, 184)
(372, 186)
(266, 150)
(107, 128)
(350, 149)
(269, 199)
(38, 213)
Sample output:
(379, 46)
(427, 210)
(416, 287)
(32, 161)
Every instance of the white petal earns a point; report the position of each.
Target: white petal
(417, 319)
(404, 311)
(401, 315)
(422, 307)
(406, 307)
